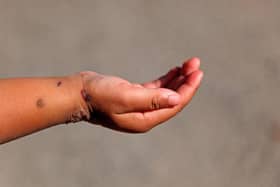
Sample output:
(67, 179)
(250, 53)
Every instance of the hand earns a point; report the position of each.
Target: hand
(120, 105)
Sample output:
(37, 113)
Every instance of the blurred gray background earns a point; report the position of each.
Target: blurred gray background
(228, 136)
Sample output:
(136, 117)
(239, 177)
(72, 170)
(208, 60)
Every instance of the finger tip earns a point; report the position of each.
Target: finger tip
(200, 74)
(196, 78)
(170, 98)
(191, 65)
(174, 100)
(192, 61)
(195, 60)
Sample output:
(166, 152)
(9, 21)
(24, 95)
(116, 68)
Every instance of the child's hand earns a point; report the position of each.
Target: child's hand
(118, 104)
(33, 104)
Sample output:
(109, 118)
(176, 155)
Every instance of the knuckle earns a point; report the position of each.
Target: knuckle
(155, 104)
(136, 85)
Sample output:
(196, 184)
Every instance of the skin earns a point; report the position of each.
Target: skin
(33, 104)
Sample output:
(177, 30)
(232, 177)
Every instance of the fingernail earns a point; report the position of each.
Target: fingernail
(173, 100)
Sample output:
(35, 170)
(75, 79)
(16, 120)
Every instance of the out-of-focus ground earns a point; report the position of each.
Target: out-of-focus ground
(228, 136)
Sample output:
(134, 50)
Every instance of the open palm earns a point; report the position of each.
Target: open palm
(120, 105)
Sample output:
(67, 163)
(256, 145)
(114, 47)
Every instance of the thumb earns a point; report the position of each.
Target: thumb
(146, 99)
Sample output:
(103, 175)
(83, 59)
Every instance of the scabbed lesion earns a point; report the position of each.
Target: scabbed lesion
(77, 116)
(82, 112)
(40, 103)
(59, 83)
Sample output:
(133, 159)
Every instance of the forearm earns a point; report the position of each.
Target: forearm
(31, 104)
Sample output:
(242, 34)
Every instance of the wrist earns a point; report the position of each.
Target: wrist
(81, 108)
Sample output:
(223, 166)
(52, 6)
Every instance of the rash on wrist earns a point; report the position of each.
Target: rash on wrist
(83, 110)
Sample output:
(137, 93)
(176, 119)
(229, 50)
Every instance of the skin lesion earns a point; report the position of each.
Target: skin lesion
(40, 103)
(86, 96)
(59, 83)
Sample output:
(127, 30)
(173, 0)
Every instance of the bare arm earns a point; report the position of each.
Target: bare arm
(32, 104)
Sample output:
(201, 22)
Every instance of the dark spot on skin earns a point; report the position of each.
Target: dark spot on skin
(40, 103)
(59, 83)
(86, 96)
